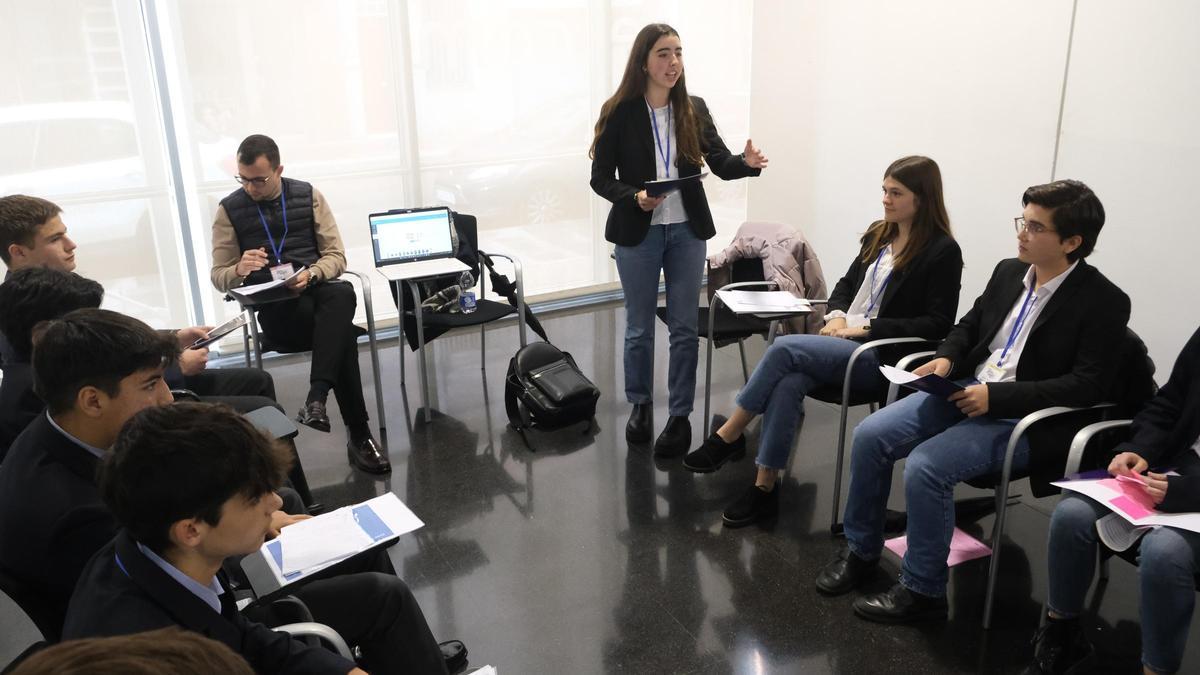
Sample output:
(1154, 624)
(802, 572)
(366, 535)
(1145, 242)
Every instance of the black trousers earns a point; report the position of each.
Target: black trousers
(222, 382)
(322, 319)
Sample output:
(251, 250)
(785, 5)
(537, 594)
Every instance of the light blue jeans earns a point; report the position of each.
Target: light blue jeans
(943, 447)
(676, 251)
(793, 366)
(1166, 575)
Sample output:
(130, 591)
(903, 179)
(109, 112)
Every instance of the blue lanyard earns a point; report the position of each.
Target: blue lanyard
(283, 205)
(1021, 316)
(666, 158)
(873, 295)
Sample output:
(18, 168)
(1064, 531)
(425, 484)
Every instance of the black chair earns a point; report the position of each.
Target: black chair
(1135, 385)
(1097, 441)
(427, 326)
(47, 616)
(257, 342)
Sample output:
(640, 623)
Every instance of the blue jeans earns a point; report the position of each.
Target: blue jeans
(674, 249)
(943, 447)
(793, 366)
(1166, 574)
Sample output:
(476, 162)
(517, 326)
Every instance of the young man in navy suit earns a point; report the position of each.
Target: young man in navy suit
(95, 370)
(1045, 332)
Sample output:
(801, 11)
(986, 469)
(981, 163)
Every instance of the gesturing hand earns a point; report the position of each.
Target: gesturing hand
(753, 157)
(252, 260)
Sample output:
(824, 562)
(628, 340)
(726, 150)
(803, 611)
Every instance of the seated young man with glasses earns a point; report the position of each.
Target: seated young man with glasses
(1044, 333)
(269, 229)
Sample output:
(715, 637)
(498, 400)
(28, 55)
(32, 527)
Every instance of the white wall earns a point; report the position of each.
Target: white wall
(840, 90)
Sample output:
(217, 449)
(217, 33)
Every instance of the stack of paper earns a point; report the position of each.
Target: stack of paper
(763, 302)
(1128, 499)
(316, 543)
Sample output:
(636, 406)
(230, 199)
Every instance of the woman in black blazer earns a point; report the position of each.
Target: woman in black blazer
(904, 282)
(650, 129)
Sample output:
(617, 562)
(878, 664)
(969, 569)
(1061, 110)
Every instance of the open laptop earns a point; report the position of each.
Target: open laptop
(414, 243)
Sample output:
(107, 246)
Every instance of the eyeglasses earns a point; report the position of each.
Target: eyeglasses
(261, 180)
(1032, 228)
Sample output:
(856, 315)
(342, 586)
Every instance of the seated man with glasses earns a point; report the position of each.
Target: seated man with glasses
(269, 229)
(1045, 332)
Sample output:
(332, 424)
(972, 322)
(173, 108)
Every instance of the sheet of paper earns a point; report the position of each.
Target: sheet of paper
(254, 289)
(1119, 534)
(763, 302)
(1120, 496)
(329, 536)
(932, 384)
(963, 547)
(398, 517)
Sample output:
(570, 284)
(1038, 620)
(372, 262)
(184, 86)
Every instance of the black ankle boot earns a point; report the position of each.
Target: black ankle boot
(641, 421)
(675, 437)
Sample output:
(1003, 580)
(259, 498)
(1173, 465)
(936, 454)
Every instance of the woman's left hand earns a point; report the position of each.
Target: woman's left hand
(851, 333)
(753, 157)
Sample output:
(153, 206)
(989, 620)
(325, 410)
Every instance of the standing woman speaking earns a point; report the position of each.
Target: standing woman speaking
(650, 129)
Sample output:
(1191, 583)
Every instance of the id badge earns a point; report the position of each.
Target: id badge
(991, 373)
(281, 272)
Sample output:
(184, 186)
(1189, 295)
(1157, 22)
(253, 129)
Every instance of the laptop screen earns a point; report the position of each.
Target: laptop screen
(407, 236)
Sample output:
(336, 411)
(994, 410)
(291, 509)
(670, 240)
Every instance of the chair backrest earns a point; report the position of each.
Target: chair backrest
(1134, 383)
(747, 269)
(47, 616)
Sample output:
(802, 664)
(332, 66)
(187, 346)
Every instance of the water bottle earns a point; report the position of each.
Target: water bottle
(466, 299)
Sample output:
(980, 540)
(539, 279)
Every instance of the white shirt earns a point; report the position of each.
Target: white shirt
(210, 594)
(1196, 445)
(865, 305)
(671, 209)
(1036, 302)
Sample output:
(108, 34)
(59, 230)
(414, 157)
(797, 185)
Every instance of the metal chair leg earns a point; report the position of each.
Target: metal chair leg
(742, 352)
(246, 345)
(421, 368)
(368, 303)
(712, 313)
(257, 341)
(400, 326)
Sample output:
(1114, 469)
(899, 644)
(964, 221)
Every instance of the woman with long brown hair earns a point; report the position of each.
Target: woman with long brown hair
(651, 129)
(904, 282)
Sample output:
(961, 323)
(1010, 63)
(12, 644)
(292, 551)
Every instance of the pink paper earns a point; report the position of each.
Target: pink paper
(1130, 507)
(1135, 501)
(963, 547)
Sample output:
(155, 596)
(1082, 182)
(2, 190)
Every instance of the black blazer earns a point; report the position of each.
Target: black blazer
(134, 595)
(1165, 429)
(1072, 356)
(18, 404)
(625, 149)
(51, 516)
(919, 301)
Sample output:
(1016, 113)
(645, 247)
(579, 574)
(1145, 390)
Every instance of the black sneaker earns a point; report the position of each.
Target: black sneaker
(713, 453)
(755, 505)
(1061, 648)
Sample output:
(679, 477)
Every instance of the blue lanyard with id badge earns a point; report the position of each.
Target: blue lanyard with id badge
(993, 372)
(280, 270)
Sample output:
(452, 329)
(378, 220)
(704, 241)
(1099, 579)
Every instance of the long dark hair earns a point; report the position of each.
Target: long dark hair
(633, 85)
(923, 178)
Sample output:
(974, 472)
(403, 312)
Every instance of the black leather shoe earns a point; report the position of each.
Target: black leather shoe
(366, 455)
(641, 421)
(454, 653)
(313, 415)
(845, 573)
(900, 605)
(754, 505)
(675, 437)
(713, 453)
(1061, 648)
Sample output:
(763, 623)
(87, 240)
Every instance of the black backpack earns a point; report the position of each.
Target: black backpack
(545, 389)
